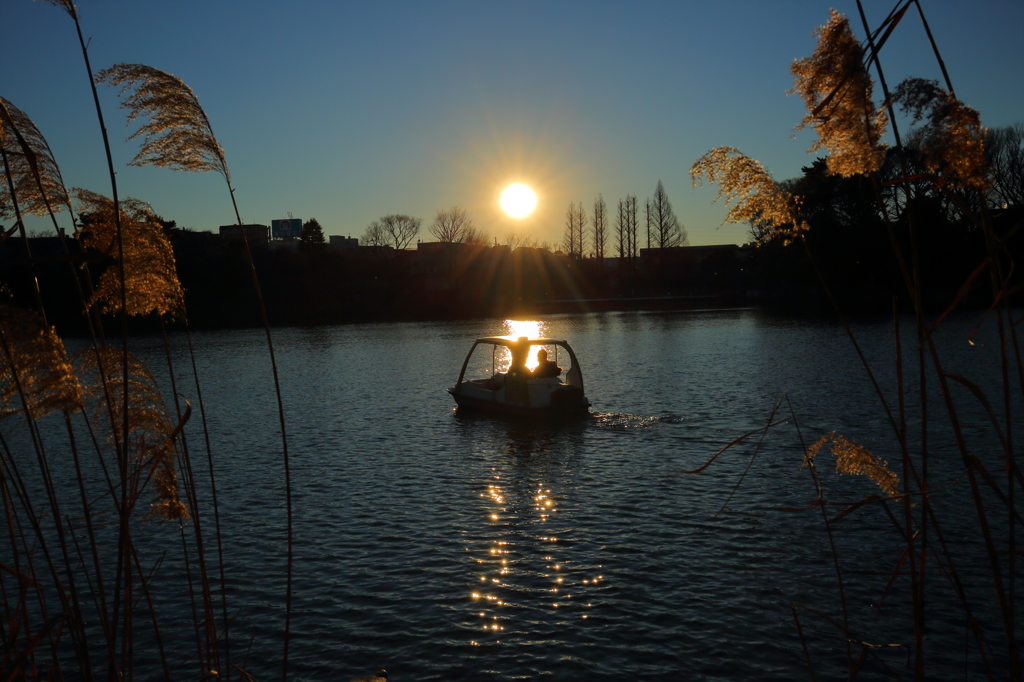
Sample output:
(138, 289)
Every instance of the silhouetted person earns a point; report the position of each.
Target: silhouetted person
(545, 368)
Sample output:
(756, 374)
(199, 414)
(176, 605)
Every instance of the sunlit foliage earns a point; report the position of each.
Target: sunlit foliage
(150, 444)
(855, 459)
(952, 139)
(177, 132)
(32, 359)
(837, 90)
(31, 165)
(750, 192)
(151, 281)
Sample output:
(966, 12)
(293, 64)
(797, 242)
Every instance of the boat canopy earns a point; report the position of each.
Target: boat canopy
(520, 348)
(515, 340)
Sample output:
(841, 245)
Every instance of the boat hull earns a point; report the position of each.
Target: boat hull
(568, 408)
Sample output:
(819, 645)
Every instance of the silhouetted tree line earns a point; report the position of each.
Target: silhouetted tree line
(850, 246)
(462, 276)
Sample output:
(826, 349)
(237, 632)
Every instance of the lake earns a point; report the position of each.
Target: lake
(447, 546)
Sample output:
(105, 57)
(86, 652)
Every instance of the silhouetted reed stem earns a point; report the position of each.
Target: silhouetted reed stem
(213, 494)
(284, 435)
(69, 598)
(927, 345)
(121, 448)
(192, 493)
(831, 541)
(98, 592)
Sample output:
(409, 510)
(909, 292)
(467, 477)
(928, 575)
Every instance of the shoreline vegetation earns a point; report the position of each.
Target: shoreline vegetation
(928, 225)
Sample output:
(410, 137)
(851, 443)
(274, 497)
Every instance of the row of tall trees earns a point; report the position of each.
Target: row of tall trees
(663, 227)
(582, 237)
(574, 242)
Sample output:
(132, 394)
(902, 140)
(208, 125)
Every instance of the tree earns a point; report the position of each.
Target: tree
(667, 230)
(581, 230)
(396, 231)
(631, 225)
(575, 222)
(312, 233)
(647, 214)
(453, 226)
(599, 227)
(622, 231)
(1004, 148)
(518, 240)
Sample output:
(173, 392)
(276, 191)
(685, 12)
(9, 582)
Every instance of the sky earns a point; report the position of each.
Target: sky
(349, 111)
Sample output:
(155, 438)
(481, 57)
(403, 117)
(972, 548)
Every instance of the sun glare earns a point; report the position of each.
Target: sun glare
(518, 328)
(518, 200)
(532, 328)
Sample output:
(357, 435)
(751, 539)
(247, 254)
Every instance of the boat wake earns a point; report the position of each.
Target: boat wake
(623, 420)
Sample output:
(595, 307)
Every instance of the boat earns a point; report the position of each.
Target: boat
(516, 381)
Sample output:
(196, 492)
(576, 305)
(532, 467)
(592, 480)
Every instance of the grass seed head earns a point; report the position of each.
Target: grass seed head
(837, 90)
(151, 279)
(750, 193)
(952, 140)
(29, 168)
(34, 357)
(150, 448)
(856, 460)
(67, 5)
(176, 132)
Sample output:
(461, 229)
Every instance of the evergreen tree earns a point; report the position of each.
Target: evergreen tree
(312, 233)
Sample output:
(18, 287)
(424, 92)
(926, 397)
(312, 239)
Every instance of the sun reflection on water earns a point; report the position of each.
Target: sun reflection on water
(521, 571)
(530, 328)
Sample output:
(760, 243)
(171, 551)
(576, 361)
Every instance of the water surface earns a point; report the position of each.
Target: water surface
(445, 546)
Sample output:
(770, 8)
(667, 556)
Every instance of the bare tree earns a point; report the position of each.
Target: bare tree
(396, 231)
(1004, 148)
(575, 226)
(454, 225)
(622, 231)
(581, 230)
(516, 240)
(373, 236)
(668, 232)
(569, 238)
(647, 215)
(600, 235)
(631, 221)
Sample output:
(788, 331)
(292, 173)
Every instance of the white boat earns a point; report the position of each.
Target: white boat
(516, 381)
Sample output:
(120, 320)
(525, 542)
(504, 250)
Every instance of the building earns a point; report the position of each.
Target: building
(343, 243)
(256, 235)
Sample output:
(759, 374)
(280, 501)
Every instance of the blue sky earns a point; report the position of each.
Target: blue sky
(348, 111)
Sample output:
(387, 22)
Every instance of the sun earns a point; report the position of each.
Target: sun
(518, 200)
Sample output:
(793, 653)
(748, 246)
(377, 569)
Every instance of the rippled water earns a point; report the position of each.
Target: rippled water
(445, 546)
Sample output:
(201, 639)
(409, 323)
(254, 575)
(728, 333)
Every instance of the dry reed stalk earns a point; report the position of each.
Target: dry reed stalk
(837, 91)
(123, 564)
(178, 134)
(38, 186)
(750, 192)
(209, 620)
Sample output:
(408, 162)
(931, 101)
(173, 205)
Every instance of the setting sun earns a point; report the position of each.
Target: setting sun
(518, 200)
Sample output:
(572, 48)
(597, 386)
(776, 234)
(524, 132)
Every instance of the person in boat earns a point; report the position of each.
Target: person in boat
(545, 368)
